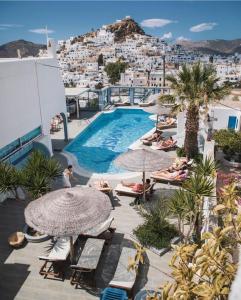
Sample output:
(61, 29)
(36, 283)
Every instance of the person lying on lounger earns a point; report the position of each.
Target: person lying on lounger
(166, 143)
(168, 121)
(177, 175)
(181, 163)
(155, 137)
(138, 187)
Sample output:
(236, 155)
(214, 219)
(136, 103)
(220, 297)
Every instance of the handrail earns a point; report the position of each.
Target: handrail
(20, 147)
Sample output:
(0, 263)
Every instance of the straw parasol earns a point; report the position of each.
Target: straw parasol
(142, 160)
(68, 212)
(158, 110)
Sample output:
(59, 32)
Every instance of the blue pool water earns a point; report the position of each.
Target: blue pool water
(107, 137)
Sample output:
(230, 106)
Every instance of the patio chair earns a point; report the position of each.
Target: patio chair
(124, 278)
(55, 261)
(88, 260)
(107, 189)
(124, 103)
(125, 190)
(148, 103)
(103, 231)
(113, 294)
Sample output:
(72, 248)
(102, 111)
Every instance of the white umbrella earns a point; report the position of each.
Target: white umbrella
(142, 160)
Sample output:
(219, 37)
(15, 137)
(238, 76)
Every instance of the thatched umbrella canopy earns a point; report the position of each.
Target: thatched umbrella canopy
(68, 212)
(158, 110)
(142, 160)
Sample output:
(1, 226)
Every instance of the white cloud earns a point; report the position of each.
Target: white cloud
(166, 36)
(41, 30)
(154, 23)
(203, 27)
(10, 25)
(182, 38)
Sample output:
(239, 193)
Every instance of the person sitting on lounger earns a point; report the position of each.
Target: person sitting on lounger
(166, 143)
(168, 121)
(155, 137)
(138, 187)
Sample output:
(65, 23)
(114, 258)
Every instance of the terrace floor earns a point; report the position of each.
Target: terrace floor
(19, 272)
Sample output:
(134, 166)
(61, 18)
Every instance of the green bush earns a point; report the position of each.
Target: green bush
(156, 230)
(229, 141)
(181, 152)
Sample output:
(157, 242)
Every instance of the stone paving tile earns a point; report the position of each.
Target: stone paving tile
(19, 277)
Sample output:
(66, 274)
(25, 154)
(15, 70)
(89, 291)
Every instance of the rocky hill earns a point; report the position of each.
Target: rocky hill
(222, 47)
(26, 49)
(124, 28)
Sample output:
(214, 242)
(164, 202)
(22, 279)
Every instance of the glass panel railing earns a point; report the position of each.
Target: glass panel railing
(5, 151)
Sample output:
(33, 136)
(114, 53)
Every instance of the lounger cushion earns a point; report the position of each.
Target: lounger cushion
(90, 255)
(60, 250)
(125, 190)
(123, 278)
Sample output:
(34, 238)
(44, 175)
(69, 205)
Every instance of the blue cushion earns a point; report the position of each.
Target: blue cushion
(113, 294)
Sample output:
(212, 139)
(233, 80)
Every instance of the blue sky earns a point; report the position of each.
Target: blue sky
(195, 20)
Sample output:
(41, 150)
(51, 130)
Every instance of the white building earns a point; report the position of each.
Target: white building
(31, 94)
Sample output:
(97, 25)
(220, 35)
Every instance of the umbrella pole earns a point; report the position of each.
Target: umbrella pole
(157, 120)
(71, 249)
(144, 186)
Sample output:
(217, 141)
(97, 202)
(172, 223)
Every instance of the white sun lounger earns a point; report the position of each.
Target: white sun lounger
(148, 103)
(96, 231)
(59, 253)
(88, 260)
(121, 189)
(123, 278)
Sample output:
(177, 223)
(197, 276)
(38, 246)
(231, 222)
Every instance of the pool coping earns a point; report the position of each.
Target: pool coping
(72, 160)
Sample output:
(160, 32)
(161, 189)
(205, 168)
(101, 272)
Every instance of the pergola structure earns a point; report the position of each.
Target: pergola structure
(105, 95)
(74, 94)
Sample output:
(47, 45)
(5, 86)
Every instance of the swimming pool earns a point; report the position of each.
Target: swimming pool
(107, 137)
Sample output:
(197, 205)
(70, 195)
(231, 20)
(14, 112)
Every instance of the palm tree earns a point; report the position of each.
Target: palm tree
(195, 86)
(179, 208)
(197, 187)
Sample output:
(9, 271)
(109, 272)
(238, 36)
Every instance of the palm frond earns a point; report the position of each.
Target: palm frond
(199, 186)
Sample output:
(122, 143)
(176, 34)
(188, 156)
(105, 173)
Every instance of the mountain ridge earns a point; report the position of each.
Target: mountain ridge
(27, 48)
(217, 46)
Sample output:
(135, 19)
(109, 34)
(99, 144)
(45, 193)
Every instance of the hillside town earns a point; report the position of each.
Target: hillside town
(149, 59)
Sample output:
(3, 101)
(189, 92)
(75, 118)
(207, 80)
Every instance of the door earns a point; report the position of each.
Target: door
(232, 122)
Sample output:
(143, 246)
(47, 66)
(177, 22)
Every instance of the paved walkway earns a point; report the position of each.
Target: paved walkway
(19, 277)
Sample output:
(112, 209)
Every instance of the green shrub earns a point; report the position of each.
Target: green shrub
(156, 230)
(181, 152)
(229, 141)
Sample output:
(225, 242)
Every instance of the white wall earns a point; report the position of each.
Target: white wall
(20, 101)
(222, 115)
